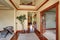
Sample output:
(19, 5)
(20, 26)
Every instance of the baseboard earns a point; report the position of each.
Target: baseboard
(51, 29)
(40, 36)
(22, 31)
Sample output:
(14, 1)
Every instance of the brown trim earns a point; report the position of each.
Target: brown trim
(51, 29)
(40, 36)
(27, 5)
(42, 21)
(22, 31)
(28, 9)
(50, 7)
(15, 36)
(57, 31)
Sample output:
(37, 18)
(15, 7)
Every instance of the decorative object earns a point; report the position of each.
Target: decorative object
(21, 18)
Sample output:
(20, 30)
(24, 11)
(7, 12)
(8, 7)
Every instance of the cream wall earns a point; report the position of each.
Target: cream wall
(24, 12)
(18, 25)
(15, 12)
(39, 3)
(38, 21)
(59, 20)
(49, 3)
(6, 18)
(16, 2)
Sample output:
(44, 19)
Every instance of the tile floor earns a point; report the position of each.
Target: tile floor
(28, 36)
(50, 34)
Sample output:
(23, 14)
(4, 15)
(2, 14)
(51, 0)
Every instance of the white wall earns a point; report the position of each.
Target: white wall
(6, 18)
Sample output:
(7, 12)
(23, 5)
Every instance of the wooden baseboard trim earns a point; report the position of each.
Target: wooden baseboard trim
(51, 29)
(23, 31)
(40, 36)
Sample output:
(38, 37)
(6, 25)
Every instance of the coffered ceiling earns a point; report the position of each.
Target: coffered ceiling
(28, 4)
(4, 5)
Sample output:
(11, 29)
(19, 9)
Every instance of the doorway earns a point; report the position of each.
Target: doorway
(32, 21)
(49, 22)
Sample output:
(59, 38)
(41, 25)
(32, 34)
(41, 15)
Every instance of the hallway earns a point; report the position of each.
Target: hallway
(30, 19)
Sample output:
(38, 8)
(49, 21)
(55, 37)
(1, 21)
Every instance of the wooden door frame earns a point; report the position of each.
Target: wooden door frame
(48, 8)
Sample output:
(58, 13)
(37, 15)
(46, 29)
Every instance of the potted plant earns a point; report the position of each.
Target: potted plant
(21, 18)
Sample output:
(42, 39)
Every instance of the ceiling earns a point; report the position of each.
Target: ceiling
(4, 5)
(22, 4)
(28, 4)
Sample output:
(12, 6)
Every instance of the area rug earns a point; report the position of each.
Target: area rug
(28, 36)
